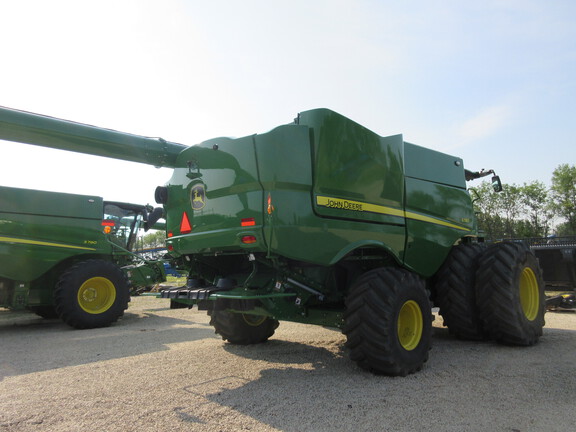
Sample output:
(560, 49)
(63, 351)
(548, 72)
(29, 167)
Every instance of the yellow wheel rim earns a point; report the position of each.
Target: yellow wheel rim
(96, 295)
(410, 325)
(253, 320)
(529, 294)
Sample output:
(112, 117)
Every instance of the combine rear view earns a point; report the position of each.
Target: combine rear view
(322, 221)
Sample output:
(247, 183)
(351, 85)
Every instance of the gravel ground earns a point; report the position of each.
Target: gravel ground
(165, 370)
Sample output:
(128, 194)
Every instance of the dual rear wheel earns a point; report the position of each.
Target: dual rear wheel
(483, 292)
(492, 292)
(510, 294)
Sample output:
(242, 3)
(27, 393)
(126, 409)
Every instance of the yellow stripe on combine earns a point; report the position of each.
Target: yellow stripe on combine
(42, 243)
(358, 206)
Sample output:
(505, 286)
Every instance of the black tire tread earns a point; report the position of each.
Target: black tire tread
(232, 328)
(456, 292)
(498, 294)
(371, 306)
(70, 312)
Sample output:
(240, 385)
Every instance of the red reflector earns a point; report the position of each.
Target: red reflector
(249, 239)
(185, 226)
(170, 247)
(108, 222)
(170, 234)
(247, 222)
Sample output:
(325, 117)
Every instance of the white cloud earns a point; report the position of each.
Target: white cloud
(483, 124)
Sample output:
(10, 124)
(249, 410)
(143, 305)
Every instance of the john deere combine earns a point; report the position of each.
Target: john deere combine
(68, 256)
(322, 221)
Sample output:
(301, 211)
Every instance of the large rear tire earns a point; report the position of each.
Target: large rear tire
(92, 294)
(242, 329)
(510, 293)
(388, 322)
(456, 291)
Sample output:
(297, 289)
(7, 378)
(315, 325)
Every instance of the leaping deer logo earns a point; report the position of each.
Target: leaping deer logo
(198, 197)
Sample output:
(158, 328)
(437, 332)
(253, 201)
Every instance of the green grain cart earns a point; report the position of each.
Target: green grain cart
(68, 256)
(322, 221)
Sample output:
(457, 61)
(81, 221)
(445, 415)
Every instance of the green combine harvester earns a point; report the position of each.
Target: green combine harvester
(322, 221)
(69, 256)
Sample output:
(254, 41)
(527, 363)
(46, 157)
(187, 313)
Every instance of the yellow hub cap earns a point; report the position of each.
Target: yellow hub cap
(96, 295)
(253, 320)
(529, 294)
(410, 325)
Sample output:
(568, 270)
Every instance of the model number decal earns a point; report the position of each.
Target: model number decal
(14, 240)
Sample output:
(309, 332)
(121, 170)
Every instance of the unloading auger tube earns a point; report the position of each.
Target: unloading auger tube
(36, 129)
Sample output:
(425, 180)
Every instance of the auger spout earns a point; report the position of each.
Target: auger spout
(40, 130)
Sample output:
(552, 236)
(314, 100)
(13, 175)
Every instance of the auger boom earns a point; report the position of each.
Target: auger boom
(29, 128)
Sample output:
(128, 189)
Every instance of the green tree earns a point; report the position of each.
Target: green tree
(534, 197)
(154, 239)
(564, 196)
(517, 211)
(510, 208)
(488, 211)
(563, 230)
(527, 210)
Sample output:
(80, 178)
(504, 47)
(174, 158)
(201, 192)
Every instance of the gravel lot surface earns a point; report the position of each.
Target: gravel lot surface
(165, 370)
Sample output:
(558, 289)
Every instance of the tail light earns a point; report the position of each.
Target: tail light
(108, 225)
(247, 222)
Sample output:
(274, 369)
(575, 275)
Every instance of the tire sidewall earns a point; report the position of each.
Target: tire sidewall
(498, 294)
(66, 294)
(412, 357)
(234, 328)
(528, 260)
(371, 321)
(455, 291)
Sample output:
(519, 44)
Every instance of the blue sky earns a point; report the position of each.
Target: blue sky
(493, 82)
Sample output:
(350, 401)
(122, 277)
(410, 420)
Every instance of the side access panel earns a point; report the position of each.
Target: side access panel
(358, 182)
(285, 170)
(438, 208)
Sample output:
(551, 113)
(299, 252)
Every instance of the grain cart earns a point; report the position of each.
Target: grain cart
(322, 221)
(68, 256)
